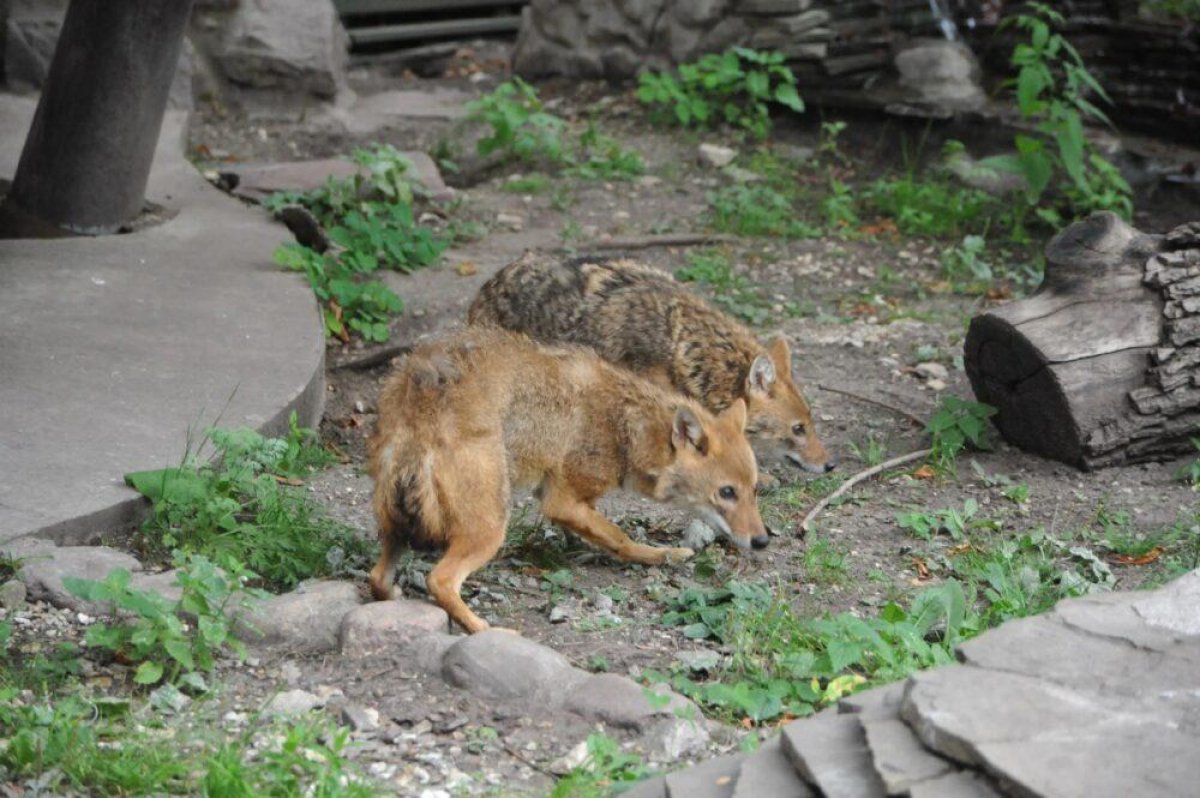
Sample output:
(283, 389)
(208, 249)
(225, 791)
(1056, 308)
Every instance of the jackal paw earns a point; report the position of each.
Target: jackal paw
(673, 556)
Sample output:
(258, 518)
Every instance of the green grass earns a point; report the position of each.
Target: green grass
(247, 505)
(754, 210)
(607, 770)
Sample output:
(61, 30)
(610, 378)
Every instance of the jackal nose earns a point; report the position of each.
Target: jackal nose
(830, 465)
(760, 541)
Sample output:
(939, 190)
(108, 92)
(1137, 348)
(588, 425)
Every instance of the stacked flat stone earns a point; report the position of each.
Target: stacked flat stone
(1171, 397)
(1100, 697)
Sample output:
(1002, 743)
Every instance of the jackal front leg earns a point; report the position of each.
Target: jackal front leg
(579, 516)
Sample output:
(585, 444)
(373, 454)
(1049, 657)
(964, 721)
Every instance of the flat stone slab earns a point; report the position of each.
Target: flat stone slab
(830, 752)
(1175, 607)
(43, 574)
(256, 182)
(1055, 741)
(768, 772)
(959, 784)
(711, 779)
(116, 346)
(899, 758)
(370, 112)
(877, 702)
(619, 701)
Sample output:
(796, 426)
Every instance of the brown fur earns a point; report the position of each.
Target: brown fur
(467, 418)
(640, 318)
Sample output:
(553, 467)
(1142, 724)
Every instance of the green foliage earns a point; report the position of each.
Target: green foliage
(782, 662)
(157, 639)
(239, 507)
(756, 209)
(1190, 473)
(825, 562)
(731, 291)
(1188, 10)
(955, 423)
(607, 771)
(370, 219)
(736, 87)
(1052, 89)
(932, 206)
(522, 130)
(956, 523)
(872, 452)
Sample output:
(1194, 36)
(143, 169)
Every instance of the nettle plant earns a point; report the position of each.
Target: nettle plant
(370, 220)
(1052, 89)
(736, 87)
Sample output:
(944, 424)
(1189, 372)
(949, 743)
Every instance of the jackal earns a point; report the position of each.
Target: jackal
(638, 317)
(467, 418)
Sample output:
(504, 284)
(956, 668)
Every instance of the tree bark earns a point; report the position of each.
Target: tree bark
(1102, 365)
(87, 157)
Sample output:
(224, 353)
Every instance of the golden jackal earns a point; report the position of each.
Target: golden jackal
(638, 317)
(465, 419)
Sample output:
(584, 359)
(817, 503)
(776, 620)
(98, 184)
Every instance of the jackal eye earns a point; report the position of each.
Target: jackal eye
(728, 493)
(798, 429)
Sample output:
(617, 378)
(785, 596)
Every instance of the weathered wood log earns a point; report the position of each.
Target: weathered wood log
(1101, 366)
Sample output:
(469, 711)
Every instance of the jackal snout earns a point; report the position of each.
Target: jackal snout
(781, 422)
(714, 474)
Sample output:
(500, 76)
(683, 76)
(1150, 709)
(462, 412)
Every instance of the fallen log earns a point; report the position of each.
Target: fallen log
(1101, 366)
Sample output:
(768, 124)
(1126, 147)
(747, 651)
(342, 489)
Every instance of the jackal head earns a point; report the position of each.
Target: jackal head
(713, 473)
(780, 422)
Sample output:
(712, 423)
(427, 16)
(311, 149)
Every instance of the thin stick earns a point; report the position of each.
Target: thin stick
(854, 480)
(374, 359)
(898, 410)
(664, 240)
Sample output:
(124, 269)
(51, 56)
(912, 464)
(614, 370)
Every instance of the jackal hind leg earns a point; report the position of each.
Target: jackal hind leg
(383, 574)
(564, 508)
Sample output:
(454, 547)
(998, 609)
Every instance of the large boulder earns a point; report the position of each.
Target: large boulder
(290, 45)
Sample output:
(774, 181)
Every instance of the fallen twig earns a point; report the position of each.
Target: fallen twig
(374, 359)
(854, 480)
(920, 422)
(663, 240)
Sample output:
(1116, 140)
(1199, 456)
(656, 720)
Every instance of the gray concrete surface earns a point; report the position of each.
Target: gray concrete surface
(113, 348)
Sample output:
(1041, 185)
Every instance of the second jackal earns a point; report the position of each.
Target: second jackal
(640, 318)
(466, 419)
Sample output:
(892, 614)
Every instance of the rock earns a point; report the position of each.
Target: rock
(603, 603)
(307, 619)
(739, 175)
(43, 572)
(290, 45)
(699, 13)
(697, 535)
(512, 221)
(1112, 615)
(12, 594)
(830, 752)
(971, 173)
(293, 702)
(699, 660)
(162, 583)
(936, 385)
(715, 155)
(389, 626)
(898, 756)
(932, 371)
(430, 649)
(767, 772)
(558, 614)
(501, 665)
(942, 74)
(257, 181)
(31, 34)
(571, 759)
(960, 784)
(1175, 606)
(672, 739)
(360, 719)
(623, 703)
(878, 702)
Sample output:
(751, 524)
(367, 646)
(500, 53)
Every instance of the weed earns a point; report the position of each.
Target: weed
(955, 423)
(731, 291)
(1052, 86)
(956, 523)
(736, 87)
(872, 452)
(245, 506)
(531, 184)
(605, 768)
(370, 219)
(756, 210)
(522, 130)
(930, 207)
(157, 638)
(1190, 473)
(558, 583)
(825, 562)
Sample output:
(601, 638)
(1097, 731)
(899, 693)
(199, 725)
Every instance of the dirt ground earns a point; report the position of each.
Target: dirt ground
(869, 310)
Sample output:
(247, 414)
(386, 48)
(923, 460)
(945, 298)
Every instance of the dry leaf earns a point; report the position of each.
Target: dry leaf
(961, 548)
(296, 483)
(999, 292)
(1148, 557)
(466, 269)
(922, 569)
(924, 472)
(882, 227)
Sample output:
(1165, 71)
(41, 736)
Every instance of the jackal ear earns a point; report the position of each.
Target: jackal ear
(781, 353)
(735, 414)
(761, 376)
(687, 430)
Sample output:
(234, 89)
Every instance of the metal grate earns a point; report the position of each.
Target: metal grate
(376, 24)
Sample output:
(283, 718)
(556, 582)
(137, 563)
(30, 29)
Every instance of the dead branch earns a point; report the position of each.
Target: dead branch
(664, 240)
(854, 480)
(920, 422)
(374, 359)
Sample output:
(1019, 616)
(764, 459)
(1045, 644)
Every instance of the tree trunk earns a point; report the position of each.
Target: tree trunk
(87, 156)
(1102, 365)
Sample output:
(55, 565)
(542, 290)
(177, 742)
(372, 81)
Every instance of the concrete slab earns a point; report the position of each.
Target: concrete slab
(768, 772)
(830, 752)
(112, 348)
(711, 779)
